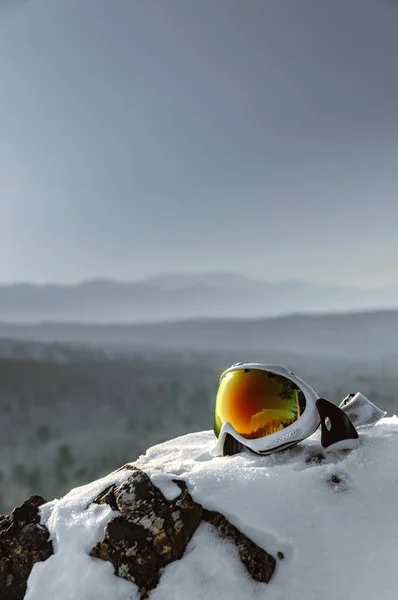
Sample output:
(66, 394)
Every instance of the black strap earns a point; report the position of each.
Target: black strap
(335, 424)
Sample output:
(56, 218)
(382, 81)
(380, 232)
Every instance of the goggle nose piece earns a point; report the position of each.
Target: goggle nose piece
(232, 446)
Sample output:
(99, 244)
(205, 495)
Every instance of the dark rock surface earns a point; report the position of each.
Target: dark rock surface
(151, 532)
(258, 563)
(23, 542)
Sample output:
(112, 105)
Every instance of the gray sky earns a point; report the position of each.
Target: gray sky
(151, 136)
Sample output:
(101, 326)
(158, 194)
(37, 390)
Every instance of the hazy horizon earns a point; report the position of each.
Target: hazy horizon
(146, 138)
(180, 276)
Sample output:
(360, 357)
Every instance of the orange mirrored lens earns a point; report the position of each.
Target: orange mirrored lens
(257, 403)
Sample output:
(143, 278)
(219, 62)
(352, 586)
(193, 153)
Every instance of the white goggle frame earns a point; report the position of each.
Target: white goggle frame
(338, 431)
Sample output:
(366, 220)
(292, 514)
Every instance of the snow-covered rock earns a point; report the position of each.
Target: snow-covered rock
(23, 542)
(328, 520)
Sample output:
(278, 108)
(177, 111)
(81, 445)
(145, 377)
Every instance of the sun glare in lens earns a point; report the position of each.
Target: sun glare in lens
(257, 403)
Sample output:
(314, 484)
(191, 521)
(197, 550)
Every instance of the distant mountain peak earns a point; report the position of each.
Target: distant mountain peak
(180, 296)
(221, 278)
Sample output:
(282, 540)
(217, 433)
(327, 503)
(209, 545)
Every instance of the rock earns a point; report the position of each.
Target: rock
(148, 534)
(151, 532)
(338, 482)
(23, 542)
(258, 563)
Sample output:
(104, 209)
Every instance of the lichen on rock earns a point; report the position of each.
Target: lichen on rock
(151, 532)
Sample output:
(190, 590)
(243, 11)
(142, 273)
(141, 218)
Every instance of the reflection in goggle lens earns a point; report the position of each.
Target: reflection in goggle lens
(257, 403)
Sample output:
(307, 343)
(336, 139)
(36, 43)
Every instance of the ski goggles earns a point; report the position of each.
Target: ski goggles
(268, 408)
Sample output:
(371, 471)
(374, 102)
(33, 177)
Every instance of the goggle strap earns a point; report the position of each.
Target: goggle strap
(336, 426)
(361, 411)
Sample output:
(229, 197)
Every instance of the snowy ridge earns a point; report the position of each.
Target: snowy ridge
(332, 519)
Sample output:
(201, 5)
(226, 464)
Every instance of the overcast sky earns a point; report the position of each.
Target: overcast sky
(154, 136)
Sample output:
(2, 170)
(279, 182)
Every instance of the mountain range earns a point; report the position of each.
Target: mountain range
(350, 337)
(180, 297)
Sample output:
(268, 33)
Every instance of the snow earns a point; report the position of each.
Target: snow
(71, 573)
(339, 540)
